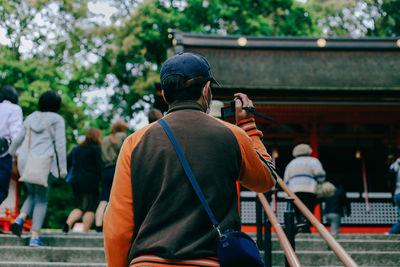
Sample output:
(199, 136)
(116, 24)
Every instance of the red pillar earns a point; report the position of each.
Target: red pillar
(314, 147)
(314, 139)
(398, 135)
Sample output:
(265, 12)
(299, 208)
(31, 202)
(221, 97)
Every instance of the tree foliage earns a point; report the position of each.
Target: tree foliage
(142, 41)
(388, 23)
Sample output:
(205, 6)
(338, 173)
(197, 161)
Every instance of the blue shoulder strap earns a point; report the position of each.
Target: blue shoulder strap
(188, 171)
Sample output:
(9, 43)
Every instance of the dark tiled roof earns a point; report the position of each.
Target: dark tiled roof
(298, 62)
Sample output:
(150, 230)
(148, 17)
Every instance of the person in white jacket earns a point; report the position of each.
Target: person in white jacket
(10, 125)
(302, 175)
(45, 126)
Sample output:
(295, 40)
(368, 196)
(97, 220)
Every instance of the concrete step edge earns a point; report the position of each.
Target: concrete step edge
(35, 263)
(54, 248)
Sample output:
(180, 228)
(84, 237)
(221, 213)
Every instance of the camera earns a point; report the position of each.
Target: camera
(229, 111)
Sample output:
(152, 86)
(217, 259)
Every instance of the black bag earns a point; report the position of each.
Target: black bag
(237, 249)
(4, 144)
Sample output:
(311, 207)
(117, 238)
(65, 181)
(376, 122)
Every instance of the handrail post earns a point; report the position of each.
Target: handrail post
(259, 224)
(267, 243)
(290, 228)
(267, 232)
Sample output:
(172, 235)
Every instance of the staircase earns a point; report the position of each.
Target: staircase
(86, 250)
(365, 249)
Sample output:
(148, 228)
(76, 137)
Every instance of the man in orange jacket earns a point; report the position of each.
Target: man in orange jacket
(154, 217)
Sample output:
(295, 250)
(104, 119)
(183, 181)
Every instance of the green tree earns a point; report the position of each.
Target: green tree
(341, 18)
(388, 23)
(45, 27)
(143, 39)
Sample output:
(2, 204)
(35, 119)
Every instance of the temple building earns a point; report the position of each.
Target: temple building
(341, 96)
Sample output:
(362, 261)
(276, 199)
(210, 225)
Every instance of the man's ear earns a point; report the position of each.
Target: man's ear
(163, 96)
(207, 89)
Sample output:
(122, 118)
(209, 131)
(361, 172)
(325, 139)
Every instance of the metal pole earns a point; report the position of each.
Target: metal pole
(259, 223)
(290, 228)
(267, 233)
(267, 243)
(364, 173)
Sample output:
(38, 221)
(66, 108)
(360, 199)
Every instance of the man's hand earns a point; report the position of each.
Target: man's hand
(242, 101)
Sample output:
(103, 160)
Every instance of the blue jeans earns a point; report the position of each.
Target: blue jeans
(396, 228)
(36, 204)
(5, 176)
(334, 221)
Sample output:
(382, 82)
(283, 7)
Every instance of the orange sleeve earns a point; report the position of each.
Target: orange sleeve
(118, 224)
(256, 171)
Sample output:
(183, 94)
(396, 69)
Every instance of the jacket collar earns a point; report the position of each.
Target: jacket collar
(187, 104)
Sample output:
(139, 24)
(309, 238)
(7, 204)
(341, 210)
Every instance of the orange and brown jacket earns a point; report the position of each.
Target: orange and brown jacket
(153, 209)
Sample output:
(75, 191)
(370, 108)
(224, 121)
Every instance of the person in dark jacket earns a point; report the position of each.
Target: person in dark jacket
(86, 166)
(154, 217)
(335, 208)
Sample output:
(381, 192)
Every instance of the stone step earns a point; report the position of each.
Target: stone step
(351, 236)
(49, 264)
(91, 256)
(347, 244)
(328, 258)
(303, 242)
(55, 240)
(52, 254)
(87, 250)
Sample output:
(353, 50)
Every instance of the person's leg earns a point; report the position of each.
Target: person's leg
(73, 216)
(100, 213)
(335, 223)
(88, 218)
(5, 176)
(297, 212)
(396, 227)
(39, 209)
(309, 200)
(27, 207)
(106, 184)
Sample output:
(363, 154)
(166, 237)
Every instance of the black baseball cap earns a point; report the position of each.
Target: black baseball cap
(193, 67)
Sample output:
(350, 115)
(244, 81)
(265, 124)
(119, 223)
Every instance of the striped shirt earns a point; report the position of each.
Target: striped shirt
(155, 261)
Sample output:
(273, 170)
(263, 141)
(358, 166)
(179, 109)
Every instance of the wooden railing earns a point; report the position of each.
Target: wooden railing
(330, 240)
(283, 240)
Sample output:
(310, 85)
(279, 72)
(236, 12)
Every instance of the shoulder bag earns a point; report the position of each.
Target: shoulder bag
(234, 248)
(325, 189)
(70, 176)
(37, 168)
